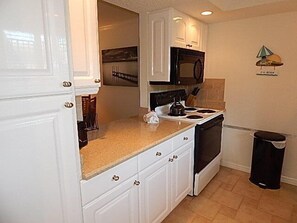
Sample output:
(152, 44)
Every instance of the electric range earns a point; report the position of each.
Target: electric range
(207, 139)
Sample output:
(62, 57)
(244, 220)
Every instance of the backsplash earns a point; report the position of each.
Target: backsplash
(211, 94)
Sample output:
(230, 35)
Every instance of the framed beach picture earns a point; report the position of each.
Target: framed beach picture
(120, 66)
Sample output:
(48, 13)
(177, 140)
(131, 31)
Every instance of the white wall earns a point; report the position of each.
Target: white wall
(252, 101)
(116, 102)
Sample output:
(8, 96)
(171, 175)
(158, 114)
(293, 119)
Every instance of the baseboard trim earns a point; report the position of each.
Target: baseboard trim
(236, 166)
(247, 169)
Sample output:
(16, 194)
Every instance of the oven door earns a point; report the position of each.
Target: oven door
(207, 142)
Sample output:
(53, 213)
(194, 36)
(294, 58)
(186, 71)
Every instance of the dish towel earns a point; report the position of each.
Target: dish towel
(151, 117)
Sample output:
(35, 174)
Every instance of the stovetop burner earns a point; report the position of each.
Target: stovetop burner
(194, 117)
(206, 111)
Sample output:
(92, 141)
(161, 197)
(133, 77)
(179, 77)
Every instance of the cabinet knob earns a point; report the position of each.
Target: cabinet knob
(136, 182)
(186, 138)
(170, 160)
(68, 104)
(115, 177)
(97, 81)
(158, 154)
(67, 84)
(189, 45)
(175, 156)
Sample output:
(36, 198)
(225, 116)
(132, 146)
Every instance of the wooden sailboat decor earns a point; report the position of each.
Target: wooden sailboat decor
(268, 62)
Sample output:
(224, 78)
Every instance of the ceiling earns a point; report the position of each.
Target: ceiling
(223, 10)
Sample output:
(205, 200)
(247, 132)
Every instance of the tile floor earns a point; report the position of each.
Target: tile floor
(230, 198)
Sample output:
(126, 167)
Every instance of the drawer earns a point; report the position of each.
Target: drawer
(107, 180)
(183, 138)
(154, 154)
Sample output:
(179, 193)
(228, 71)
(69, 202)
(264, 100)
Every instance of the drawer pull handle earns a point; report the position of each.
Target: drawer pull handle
(175, 156)
(158, 154)
(115, 177)
(136, 182)
(97, 81)
(67, 84)
(186, 138)
(68, 104)
(170, 160)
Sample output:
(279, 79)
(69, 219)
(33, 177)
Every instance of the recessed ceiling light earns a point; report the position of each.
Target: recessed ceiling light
(206, 13)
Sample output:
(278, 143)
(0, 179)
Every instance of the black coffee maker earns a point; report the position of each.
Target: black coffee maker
(82, 133)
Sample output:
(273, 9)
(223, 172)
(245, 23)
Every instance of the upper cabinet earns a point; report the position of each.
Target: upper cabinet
(85, 46)
(33, 49)
(171, 28)
(186, 31)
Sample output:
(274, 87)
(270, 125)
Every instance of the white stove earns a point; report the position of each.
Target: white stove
(207, 140)
(192, 114)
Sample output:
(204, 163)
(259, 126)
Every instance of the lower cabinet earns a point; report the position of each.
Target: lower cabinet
(165, 184)
(117, 205)
(182, 173)
(154, 191)
(162, 177)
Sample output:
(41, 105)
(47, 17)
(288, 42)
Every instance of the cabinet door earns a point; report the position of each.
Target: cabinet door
(182, 173)
(154, 201)
(204, 34)
(159, 48)
(193, 34)
(179, 29)
(39, 161)
(33, 46)
(115, 206)
(85, 45)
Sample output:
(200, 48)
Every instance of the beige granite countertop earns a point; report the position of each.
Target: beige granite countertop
(123, 139)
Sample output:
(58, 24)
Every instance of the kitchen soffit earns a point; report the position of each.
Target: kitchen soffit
(224, 10)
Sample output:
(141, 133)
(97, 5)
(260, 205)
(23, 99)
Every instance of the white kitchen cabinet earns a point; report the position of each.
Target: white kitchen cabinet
(39, 161)
(194, 35)
(85, 46)
(117, 205)
(112, 196)
(159, 46)
(186, 31)
(165, 183)
(144, 188)
(154, 198)
(33, 46)
(171, 28)
(182, 173)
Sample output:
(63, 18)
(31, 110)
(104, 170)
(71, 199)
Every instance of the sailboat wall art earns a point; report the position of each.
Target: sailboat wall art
(268, 62)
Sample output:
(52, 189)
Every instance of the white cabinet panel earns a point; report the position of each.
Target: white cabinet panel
(85, 45)
(179, 29)
(159, 51)
(105, 181)
(182, 173)
(38, 162)
(33, 46)
(194, 34)
(154, 201)
(118, 205)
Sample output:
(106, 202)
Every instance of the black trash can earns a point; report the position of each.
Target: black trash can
(267, 161)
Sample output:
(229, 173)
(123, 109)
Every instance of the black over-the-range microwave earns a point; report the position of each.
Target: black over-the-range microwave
(186, 67)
